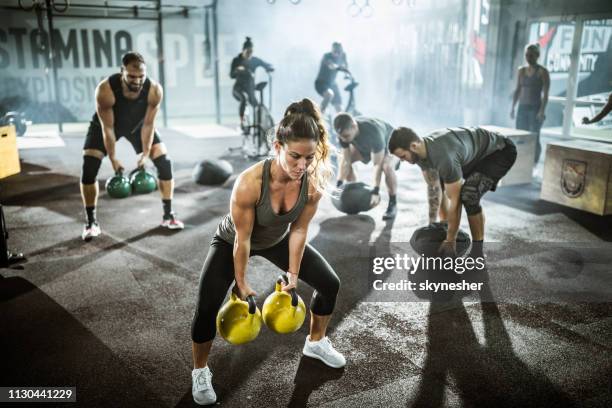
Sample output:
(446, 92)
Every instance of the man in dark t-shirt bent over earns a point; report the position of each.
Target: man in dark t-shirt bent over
(459, 165)
(365, 139)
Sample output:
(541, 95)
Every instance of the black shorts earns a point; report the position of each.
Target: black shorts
(497, 164)
(95, 139)
(322, 87)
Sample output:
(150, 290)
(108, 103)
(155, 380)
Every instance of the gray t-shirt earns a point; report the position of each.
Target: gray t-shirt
(454, 152)
(373, 137)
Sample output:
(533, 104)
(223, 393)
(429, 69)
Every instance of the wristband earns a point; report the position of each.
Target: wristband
(339, 183)
(376, 191)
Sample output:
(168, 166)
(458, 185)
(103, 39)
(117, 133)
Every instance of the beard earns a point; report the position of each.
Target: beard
(133, 87)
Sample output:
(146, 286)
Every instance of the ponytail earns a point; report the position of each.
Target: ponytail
(303, 120)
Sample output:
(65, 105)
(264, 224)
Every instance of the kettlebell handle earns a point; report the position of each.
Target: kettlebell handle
(292, 292)
(252, 304)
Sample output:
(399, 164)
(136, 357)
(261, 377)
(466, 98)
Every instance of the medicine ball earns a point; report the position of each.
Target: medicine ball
(427, 240)
(212, 172)
(352, 197)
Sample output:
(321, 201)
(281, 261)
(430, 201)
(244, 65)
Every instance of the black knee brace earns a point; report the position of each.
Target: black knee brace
(164, 167)
(91, 165)
(475, 186)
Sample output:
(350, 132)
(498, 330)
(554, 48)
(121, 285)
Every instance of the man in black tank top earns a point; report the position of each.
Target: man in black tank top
(531, 93)
(126, 106)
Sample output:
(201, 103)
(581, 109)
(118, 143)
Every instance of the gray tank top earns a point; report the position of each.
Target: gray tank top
(269, 228)
(531, 89)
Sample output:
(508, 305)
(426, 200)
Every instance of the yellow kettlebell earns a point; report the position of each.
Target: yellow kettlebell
(238, 321)
(283, 312)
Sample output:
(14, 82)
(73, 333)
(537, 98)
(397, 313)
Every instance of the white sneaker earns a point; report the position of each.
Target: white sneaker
(90, 231)
(324, 351)
(202, 389)
(172, 223)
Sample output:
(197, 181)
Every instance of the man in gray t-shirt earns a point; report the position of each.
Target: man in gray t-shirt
(464, 163)
(365, 139)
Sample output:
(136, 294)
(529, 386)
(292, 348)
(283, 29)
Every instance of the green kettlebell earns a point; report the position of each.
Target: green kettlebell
(143, 182)
(118, 186)
(283, 312)
(239, 322)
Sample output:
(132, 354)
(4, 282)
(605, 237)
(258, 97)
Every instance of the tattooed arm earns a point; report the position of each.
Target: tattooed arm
(434, 193)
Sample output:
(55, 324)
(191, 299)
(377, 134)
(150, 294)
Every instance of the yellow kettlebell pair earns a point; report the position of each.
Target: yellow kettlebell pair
(239, 322)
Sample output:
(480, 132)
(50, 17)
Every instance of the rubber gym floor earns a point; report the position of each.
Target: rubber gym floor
(112, 317)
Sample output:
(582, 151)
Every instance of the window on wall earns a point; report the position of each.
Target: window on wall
(594, 79)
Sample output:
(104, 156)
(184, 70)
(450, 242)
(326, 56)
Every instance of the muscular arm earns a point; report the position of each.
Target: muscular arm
(545, 89)
(345, 169)
(453, 192)
(604, 111)
(344, 63)
(242, 210)
(434, 193)
(517, 90)
(264, 64)
(148, 125)
(330, 63)
(298, 232)
(104, 108)
(234, 68)
(378, 159)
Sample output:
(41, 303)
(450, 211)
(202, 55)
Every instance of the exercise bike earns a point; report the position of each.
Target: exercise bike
(255, 141)
(351, 105)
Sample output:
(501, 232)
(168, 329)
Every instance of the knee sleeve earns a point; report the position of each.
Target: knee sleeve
(91, 166)
(164, 167)
(324, 299)
(475, 186)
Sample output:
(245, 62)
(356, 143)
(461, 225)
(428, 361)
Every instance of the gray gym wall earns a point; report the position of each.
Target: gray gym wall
(416, 62)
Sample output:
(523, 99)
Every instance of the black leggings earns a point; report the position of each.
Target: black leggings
(218, 274)
(242, 94)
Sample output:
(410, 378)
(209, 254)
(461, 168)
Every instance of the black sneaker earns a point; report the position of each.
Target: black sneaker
(391, 212)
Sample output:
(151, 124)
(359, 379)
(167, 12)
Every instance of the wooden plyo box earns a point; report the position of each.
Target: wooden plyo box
(578, 174)
(521, 171)
(9, 156)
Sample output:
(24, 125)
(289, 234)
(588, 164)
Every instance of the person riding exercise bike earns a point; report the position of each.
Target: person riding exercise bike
(243, 70)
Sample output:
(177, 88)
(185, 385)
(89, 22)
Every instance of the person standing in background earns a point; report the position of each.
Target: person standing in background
(532, 86)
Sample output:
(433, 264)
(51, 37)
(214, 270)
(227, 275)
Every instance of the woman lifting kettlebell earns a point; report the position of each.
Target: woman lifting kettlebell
(271, 207)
